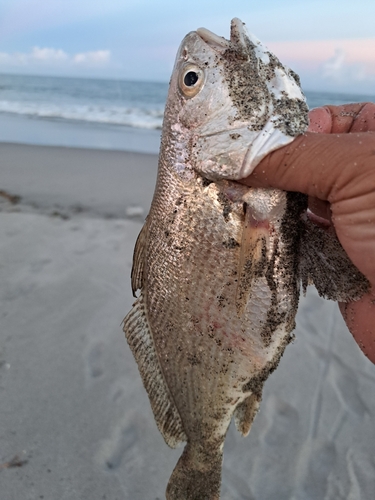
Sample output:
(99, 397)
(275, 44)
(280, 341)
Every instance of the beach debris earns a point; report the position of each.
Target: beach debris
(16, 461)
(134, 211)
(59, 214)
(13, 199)
(218, 265)
(9, 202)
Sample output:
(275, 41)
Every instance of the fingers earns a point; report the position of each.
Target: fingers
(360, 319)
(320, 155)
(359, 117)
(343, 117)
(319, 165)
(365, 120)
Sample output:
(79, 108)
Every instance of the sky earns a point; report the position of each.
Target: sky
(330, 43)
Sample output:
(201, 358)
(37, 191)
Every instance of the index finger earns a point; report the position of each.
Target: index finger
(358, 117)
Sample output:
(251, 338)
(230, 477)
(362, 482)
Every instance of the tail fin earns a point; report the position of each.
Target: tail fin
(196, 476)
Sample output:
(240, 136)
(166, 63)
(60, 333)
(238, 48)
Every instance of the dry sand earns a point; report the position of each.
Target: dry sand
(75, 422)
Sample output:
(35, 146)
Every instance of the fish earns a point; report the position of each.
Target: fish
(218, 266)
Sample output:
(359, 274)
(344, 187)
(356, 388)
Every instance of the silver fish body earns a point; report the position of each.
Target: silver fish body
(218, 265)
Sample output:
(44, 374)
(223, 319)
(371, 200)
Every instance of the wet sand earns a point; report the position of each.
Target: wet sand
(75, 422)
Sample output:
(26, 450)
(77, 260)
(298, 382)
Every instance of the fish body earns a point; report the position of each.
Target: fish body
(217, 265)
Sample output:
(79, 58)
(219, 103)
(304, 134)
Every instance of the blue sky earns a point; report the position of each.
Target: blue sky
(330, 43)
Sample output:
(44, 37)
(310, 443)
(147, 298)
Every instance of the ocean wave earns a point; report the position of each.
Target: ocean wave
(132, 116)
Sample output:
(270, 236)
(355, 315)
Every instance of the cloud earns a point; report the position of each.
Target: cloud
(48, 57)
(312, 53)
(334, 66)
(339, 65)
(337, 69)
(47, 54)
(93, 58)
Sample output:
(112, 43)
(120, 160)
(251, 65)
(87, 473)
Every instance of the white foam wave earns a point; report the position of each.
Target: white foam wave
(150, 118)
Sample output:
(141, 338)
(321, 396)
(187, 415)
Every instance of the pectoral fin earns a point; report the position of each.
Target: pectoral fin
(245, 413)
(325, 264)
(253, 257)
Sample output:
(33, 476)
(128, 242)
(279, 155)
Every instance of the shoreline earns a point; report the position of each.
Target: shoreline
(72, 180)
(31, 130)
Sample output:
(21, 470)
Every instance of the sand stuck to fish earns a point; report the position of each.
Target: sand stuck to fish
(75, 421)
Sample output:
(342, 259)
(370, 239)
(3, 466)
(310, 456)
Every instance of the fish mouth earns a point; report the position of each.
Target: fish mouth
(238, 35)
(213, 40)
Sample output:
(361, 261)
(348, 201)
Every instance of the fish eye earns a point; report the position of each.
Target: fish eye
(191, 80)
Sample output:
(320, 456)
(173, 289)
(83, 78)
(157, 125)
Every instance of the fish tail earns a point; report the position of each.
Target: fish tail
(197, 475)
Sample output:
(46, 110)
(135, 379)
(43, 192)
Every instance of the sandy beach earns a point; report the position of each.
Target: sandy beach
(75, 421)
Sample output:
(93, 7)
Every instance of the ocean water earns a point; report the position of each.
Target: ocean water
(79, 112)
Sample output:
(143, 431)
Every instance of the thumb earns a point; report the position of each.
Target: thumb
(319, 165)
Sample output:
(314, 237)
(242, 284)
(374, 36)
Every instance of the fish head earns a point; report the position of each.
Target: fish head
(231, 102)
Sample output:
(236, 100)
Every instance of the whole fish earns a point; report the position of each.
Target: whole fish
(218, 265)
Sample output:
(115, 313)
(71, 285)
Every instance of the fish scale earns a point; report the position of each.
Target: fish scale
(205, 282)
(218, 265)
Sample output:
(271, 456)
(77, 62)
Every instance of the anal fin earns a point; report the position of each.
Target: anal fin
(139, 337)
(245, 413)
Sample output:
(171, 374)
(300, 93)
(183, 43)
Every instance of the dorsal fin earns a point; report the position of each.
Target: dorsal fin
(139, 260)
(139, 337)
(325, 264)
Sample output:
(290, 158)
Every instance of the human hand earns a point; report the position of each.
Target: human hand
(334, 164)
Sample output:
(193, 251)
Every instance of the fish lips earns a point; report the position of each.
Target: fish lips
(239, 37)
